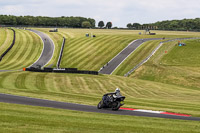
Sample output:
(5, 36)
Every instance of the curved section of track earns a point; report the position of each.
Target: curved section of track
(86, 108)
(48, 50)
(118, 59)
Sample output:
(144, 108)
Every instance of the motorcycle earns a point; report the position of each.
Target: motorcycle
(111, 101)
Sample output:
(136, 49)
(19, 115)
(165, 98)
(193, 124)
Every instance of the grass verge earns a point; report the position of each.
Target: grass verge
(20, 118)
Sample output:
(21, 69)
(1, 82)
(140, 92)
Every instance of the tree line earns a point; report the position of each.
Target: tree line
(73, 22)
(102, 25)
(178, 25)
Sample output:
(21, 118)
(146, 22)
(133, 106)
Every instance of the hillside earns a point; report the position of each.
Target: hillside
(25, 51)
(92, 53)
(167, 82)
(88, 89)
(180, 65)
(20, 118)
(6, 38)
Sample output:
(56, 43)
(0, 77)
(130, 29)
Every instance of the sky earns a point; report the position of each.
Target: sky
(119, 12)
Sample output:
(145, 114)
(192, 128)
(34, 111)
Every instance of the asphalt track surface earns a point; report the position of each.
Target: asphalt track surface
(6, 98)
(118, 59)
(48, 50)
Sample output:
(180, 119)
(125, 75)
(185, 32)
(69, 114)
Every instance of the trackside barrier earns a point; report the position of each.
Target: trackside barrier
(61, 53)
(9, 47)
(61, 70)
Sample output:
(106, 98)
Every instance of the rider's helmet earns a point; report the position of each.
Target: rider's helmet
(117, 90)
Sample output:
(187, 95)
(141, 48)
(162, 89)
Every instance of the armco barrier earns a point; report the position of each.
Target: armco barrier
(61, 53)
(9, 47)
(61, 70)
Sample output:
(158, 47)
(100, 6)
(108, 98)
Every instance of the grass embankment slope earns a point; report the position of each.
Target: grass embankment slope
(6, 38)
(179, 66)
(86, 53)
(136, 57)
(19, 118)
(88, 89)
(26, 51)
(146, 48)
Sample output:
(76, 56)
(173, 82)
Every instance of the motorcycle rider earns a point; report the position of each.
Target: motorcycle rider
(115, 94)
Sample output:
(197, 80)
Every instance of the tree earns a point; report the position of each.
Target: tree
(86, 24)
(92, 22)
(101, 24)
(109, 25)
(129, 25)
(136, 25)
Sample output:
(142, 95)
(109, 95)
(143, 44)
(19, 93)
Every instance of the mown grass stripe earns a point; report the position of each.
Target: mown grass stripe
(100, 50)
(3, 77)
(97, 46)
(6, 40)
(20, 81)
(24, 52)
(83, 43)
(30, 81)
(3, 34)
(10, 57)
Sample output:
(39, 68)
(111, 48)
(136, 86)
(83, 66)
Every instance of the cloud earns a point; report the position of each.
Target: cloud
(119, 12)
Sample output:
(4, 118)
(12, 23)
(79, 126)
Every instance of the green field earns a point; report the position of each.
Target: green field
(167, 82)
(136, 57)
(26, 51)
(20, 119)
(88, 89)
(6, 38)
(179, 66)
(92, 53)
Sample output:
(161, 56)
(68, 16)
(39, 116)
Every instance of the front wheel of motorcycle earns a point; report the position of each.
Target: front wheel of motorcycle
(100, 105)
(116, 106)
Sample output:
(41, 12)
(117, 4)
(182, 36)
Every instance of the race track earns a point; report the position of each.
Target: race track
(118, 59)
(48, 50)
(86, 108)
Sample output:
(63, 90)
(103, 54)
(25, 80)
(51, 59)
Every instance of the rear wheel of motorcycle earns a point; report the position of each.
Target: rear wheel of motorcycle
(117, 106)
(100, 105)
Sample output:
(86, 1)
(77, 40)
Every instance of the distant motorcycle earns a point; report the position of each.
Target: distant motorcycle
(109, 100)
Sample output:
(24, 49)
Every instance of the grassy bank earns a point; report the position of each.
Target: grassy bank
(19, 118)
(167, 82)
(6, 38)
(136, 57)
(174, 65)
(26, 51)
(88, 53)
(88, 89)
